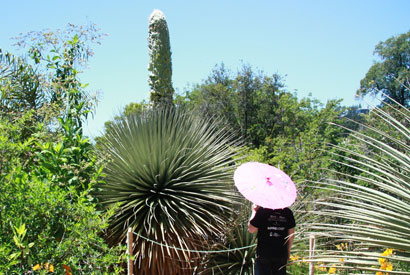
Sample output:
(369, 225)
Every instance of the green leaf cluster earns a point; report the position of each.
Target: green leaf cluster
(55, 206)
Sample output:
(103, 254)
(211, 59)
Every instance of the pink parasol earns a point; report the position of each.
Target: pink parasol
(265, 185)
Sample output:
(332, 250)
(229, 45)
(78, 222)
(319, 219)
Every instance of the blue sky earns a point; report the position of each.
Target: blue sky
(324, 48)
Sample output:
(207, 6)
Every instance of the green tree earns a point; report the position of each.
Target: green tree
(391, 75)
(46, 81)
(288, 132)
(160, 65)
(303, 129)
(246, 101)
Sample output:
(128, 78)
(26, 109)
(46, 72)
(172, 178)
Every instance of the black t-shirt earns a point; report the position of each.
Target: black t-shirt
(273, 228)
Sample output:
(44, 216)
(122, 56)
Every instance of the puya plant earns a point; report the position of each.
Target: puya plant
(171, 173)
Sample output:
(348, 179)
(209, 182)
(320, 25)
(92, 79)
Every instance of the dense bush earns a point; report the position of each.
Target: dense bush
(49, 221)
(47, 213)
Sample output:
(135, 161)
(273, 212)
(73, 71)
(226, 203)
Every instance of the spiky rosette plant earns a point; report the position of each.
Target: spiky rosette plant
(232, 262)
(364, 220)
(171, 174)
(236, 252)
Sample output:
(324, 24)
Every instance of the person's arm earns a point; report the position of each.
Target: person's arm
(290, 237)
(252, 229)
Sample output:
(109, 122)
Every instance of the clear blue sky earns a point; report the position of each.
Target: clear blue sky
(324, 47)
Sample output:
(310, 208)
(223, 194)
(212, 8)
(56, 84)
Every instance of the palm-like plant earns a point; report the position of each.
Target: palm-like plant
(171, 174)
(368, 211)
(236, 252)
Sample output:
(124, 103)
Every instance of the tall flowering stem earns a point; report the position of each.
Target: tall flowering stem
(160, 65)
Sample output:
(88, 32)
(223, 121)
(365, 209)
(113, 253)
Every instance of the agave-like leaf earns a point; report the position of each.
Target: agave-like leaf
(236, 252)
(370, 210)
(171, 174)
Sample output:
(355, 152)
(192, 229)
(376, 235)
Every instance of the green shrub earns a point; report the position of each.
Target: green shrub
(45, 188)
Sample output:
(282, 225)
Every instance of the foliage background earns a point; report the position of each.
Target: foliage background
(49, 220)
(49, 169)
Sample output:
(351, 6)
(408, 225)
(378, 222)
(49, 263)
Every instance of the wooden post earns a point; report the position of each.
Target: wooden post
(129, 249)
(311, 254)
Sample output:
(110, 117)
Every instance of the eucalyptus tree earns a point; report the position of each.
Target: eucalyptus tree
(363, 222)
(160, 65)
(170, 172)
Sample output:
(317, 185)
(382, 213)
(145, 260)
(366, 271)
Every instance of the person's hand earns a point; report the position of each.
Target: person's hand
(255, 207)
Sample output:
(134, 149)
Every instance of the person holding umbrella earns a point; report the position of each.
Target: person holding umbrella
(272, 192)
(275, 228)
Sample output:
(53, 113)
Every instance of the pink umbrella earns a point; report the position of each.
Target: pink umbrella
(265, 185)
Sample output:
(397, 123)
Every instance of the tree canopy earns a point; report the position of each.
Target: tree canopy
(391, 75)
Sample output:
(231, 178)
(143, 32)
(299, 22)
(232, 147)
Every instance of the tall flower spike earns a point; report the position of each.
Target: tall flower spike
(160, 65)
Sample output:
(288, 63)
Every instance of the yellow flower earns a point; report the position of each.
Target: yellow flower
(341, 260)
(332, 270)
(294, 258)
(51, 268)
(389, 266)
(387, 252)
(36, 267)
(382, 261)
(379, 273)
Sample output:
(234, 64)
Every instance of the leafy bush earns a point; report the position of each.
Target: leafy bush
(60, 221)
(49, 222)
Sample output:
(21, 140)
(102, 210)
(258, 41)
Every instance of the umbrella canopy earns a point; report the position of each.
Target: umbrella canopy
(265, 185)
